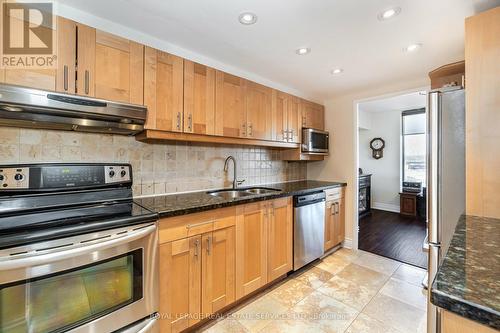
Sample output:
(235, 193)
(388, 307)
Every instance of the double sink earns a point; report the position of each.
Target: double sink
(243, 192)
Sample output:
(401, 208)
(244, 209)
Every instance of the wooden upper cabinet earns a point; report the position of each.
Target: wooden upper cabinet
(251, 248)
(258, 111)
(86, 53)
(218, 269)
(280, 224)
(199, 98)
(119, 66)
(286, 117)
(163, 90)
(180, 283)
(230, 114)
(66, 56)
(313, 115)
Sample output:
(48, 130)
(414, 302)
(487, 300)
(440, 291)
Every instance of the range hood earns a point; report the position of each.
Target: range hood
(26, 107)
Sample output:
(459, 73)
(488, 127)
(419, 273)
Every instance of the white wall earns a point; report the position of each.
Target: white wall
(341, 165)
(365, 120)
(385, 171)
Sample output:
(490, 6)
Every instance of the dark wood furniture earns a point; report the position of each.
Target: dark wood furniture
(408, 203)
(364, 195)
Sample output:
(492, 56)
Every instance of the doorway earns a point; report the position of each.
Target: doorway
(392, 177)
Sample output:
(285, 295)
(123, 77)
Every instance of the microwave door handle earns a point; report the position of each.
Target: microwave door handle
(65, 254)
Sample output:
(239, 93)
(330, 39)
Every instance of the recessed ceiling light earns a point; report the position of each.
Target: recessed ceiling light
(247, 18)
(337, 71)
(389, 13)
(303, 50)
(412, 47)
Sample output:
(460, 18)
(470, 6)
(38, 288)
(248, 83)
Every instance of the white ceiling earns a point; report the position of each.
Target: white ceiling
(340, 33)
(405, 102)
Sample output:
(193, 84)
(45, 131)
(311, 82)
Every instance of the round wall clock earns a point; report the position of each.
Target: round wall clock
(377, 145)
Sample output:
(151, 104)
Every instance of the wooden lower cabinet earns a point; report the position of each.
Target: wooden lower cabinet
(279, 240)
(218, 270)
(180, 283)
(330, 225)
(211, 259)
(334, 218)
(251, 248)
(452, 323)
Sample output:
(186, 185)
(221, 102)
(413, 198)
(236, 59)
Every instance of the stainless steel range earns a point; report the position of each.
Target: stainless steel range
(76, 253)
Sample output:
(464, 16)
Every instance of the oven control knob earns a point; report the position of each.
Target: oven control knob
(123, 173)
(2, 178)
(19, 177)
(111, 174)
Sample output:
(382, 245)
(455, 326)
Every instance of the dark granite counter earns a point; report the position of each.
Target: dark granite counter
(186, 203)
(468, 281)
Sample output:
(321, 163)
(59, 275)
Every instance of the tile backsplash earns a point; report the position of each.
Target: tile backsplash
(157, 168)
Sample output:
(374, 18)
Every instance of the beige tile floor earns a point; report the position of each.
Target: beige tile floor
(348, 291)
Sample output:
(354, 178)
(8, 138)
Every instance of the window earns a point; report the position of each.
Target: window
(414, 146)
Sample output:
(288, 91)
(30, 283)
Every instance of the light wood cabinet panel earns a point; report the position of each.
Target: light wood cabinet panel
(330, 238)
(280, 224)
(86, 52)
(199, 98)
(180, 283)
(66, 56)
(339, 228)
(313, 115)
(258, 111)
(218, 269)
(119, 66)
(230, 113)
(482, 68)
(163, 90)
(286, 117)
(452, 323)
(251, 248)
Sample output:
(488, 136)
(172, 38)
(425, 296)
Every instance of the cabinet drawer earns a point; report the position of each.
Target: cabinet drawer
(334, 193)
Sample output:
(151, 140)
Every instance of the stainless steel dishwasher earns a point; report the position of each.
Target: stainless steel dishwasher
(308, 228)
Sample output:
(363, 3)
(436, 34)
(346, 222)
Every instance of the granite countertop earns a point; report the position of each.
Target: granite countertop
(186, 203)
(468, 281)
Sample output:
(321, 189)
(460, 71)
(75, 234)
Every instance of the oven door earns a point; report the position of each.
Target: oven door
(98, 282)
(315, 141)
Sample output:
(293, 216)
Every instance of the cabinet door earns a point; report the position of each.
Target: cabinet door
(180, 283)
(280, 116)
(33, 77)
(66, 56)
(251, 248)
(339, 227)
(119, 66)
(218, 269)
(230, 114)
(293, 119)
(279, 238)
(258, 111)
(199, 98)
(163, 90)
(330, 216)
(86, 60)
(313, 115)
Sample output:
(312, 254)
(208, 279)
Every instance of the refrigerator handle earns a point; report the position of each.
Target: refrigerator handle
(433, 167)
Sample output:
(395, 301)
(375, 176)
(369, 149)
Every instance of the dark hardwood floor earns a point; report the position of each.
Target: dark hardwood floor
(394, 236)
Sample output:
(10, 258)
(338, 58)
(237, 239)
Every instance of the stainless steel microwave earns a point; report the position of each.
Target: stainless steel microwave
(315, 141)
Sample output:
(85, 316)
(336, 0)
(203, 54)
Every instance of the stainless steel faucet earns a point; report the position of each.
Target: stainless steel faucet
(236, 182)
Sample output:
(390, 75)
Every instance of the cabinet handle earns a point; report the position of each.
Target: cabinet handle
(209, 244)
(189, 226)
(303, 121)
(196, 247)
(87, 81)
(283, 134)
(190, 122)
(332, 209)
(178, 120)
(244, 129)
(337, 209)
(292, 132)
(250, 129)
(65, 77)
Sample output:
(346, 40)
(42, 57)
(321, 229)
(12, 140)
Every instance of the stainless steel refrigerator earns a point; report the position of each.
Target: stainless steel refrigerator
(445, 180)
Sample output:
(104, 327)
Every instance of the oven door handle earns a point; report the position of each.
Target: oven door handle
(76, 251)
